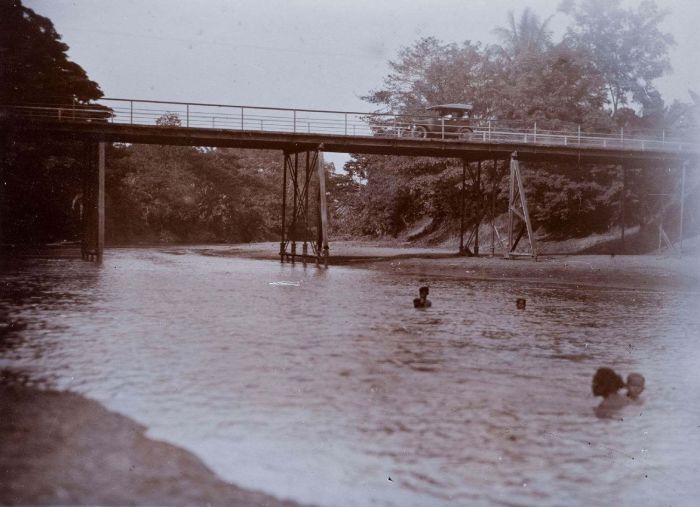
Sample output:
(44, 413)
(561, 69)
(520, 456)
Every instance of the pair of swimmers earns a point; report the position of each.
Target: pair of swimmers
(422, 300)
(607, 383)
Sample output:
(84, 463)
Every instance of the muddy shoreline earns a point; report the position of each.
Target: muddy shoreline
(59, 448)
(628, 272)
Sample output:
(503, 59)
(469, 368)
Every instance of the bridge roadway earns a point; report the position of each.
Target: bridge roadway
(296, 130)
(297, 142)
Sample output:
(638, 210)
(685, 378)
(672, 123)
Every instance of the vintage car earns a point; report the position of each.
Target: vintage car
(444, 121)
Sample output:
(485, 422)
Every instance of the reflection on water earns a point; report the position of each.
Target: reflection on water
(329, 388)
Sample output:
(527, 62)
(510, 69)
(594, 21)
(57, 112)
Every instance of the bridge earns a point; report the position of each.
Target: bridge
(307, 132)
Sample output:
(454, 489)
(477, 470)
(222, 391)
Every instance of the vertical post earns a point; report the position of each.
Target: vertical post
(535, 133)
(493, 209)
(188, 115)
(346, 124)
(461, 207)
(319, 229)
(323, 207)
(100, 201)
(86, 172)
(489, 130)
(680, 221)
(622, 207)
(295, 122)
(304, 248)
(442, 121)
(242, 119)
(4, 142)
(284, 204)
(511, 199)
(523, 214)
(526, 213)
(478, 208)
(295, 193)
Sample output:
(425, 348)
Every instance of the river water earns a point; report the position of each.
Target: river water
(329, 388)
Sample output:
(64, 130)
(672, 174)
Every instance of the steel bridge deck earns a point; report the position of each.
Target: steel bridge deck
(297, 142)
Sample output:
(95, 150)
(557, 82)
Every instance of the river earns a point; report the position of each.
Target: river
(327, 387)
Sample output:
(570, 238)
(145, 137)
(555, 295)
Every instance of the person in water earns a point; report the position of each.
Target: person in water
(635, 386)
(422, 301)
(607, 383)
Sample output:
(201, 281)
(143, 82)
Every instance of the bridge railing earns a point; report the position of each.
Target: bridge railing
(347, 123)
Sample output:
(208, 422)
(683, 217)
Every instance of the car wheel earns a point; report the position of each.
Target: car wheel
(420, 132)
(465, 132)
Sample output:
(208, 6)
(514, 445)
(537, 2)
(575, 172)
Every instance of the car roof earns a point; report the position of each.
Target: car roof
(454, 107)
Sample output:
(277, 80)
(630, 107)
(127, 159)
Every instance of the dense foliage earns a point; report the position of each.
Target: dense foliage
(38, 180)
(600, 75)
(184, 194)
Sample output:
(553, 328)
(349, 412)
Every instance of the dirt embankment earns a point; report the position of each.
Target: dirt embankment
(59, 448)
(667, 271)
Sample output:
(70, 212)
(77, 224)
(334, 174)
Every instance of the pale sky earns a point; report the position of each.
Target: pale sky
(313, 54)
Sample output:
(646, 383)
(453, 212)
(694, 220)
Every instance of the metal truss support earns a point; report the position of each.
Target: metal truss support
(475, 222)
(482, 209)
(299, 168)
(623, 200)
(496, 177)
(322, 249)
(660, 211)
(680, 218)
(479, 214)
(462, 197)
(517, 211)
(93, 197)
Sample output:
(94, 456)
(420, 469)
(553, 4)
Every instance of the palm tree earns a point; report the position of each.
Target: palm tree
(526, 35)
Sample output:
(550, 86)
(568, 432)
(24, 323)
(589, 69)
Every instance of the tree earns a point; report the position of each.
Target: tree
(39, 178)
(34, 66)
(554, 88)
(527, 35)
(627, 46)
(528, 78)
(430, 72)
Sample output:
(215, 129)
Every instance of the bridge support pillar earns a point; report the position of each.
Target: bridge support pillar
(623, 201)
(682, 205)
(481, 210)
(93, 203)
(478, 198)
(518, 212)
(496, 177)
(297, 181)
(461, 207)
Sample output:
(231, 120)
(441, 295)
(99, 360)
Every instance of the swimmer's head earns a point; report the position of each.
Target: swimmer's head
(606, 382)
(635, 384)
(423, 291)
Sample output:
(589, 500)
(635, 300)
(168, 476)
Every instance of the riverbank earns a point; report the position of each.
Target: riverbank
(663, 272)
(59, 448)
